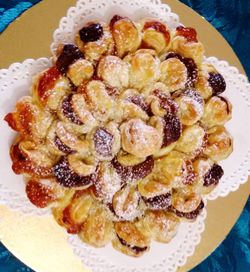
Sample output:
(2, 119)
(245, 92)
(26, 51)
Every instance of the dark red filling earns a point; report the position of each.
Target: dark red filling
(213, 176)
(140, 102)
(190, 215)
(160, 202)
(91, 33)
(139, 171)
(166, 102)
(115, 19)
(68, 111)
(192, 70)
(217, 83)
(103, 141)
(172, 129)
(69, 55)
(136, 249)
(61, 146)
(67, 177)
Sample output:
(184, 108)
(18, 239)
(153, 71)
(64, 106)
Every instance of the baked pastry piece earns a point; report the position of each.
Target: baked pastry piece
(155, 35)
(121, 137)
(220, 143)
(130, 239)
(126, 35)
(95, 40)
(210, 81)
(218, 111)
(161, 226)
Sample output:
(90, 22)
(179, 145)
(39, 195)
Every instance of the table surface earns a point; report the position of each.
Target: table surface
(234, 253)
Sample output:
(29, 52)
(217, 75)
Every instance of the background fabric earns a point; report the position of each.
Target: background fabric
(231, 18)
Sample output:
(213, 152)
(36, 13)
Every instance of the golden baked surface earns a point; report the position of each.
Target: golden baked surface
(122, 136)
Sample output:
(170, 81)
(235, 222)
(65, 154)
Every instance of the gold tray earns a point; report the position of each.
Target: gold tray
(47, 250)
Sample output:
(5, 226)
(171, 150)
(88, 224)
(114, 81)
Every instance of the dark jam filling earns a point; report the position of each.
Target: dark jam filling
(172, 129)
(68, 111)
(135, 249)
(160, 202)
(166, 102)
(61, 146)
(192, 70)
(217, 83)
(190, 215)
(91, 33)
(140, 102)
(213, 176)
(67, 177)
(103, 141)
(139, 171)
(70, 53)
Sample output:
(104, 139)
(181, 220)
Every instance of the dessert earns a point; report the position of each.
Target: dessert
(123, 135)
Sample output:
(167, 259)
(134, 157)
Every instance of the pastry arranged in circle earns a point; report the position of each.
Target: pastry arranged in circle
(122, 136)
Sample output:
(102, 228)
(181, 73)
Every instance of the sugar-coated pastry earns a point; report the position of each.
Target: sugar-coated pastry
(126, 35)
(74, 212)
(97, 229)
(107, 183)
(208, 174)
(98, 101)
(126, 203)
(210, 81)
(151, 187)
(31, 159)
(174, 74)
(130, 239)
(220, 143)
(160, 225)
(156, 86)
(113, 71)
(95, 40)
(50, 87)
(131, 104)
(162, 104)
(61, 140)
(70, 172)
(105, 141)
(191, 106)
(186, 44)
(187, 204)
(29, 119)
(144, 68)
(75, 114)
(137, 168)
(192, 140)
(139, 139)
(155, 35)
(122, 135)
(43, 192)
(218, 111)
(80, 71)
(192, 70)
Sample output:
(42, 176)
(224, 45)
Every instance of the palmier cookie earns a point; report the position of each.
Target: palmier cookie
(161, 226)
(126, 35)
(210, 81)
(191, 106)
(218, 111)
(220, 143)
(95, 40)
(130, 239)
(155, 35)
(97, 230)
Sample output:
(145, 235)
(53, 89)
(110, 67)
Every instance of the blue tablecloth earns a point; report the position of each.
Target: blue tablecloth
(232, 19)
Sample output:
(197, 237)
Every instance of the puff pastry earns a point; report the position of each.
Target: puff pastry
(122, 136)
